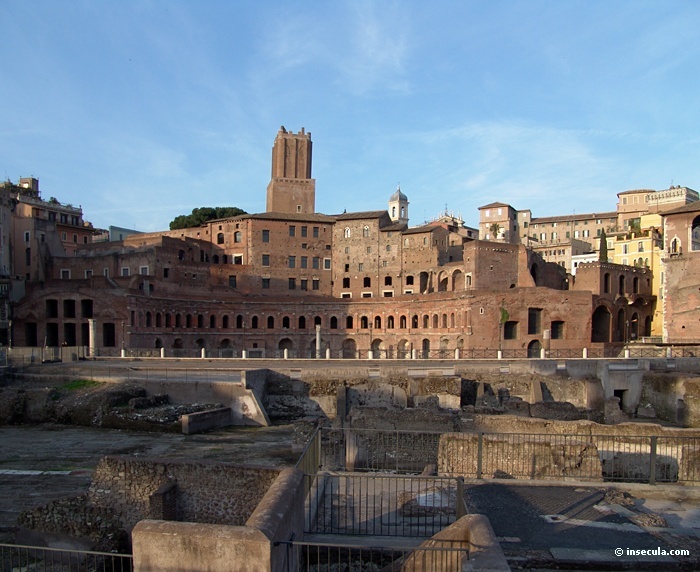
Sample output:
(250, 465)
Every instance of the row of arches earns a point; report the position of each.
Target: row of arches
(200, 321)
(620, 326)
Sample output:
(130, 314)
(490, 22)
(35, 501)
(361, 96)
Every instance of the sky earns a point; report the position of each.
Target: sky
(139, 111)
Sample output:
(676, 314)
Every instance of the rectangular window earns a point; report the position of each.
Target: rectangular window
(510, 331)
(88, 274)
(557, 330)
(266, 260)
(266, 283)
(26, 236)
(315, 263)
(534, 320)
(86, 308)
(52, 308)
(346, 282)
(265, 235)
(369, 250)
(303, 231)
(360, 267)
(166, 272)
(304, 261)
(125, 271)
(315, 232)
(69, 308)
(292, 230)
(326, 263)
(303, 284)
(143, 271)
(292, 283)
(238, 259)
(315, 284)
(232, 282)
(292, 262)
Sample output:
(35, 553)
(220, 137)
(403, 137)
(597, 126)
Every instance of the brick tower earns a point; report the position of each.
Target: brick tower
(291, 188)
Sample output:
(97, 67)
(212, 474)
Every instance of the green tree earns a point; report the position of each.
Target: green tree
(603, 251)
(201, 215)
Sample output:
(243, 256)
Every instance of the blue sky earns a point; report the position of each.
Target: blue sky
(140, 111)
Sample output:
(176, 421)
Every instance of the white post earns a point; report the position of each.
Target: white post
(456, 353)
(370, 354)
(162, 352)
(328, 353)
(318, 341)
(244, 354)
(92, 325)
(123, 352)
(627, 353)
(286, 353)
(669, 352)
(543, 353)
(500, 354)
(414, 353)
(204, 353)
(585, 353)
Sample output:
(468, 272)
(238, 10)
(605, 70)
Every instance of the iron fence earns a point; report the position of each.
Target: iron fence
(24, 356)
(435, 556)
(628, 458)
(14, 557)
(382, 505)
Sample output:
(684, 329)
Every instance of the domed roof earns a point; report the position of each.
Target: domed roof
(398, 196)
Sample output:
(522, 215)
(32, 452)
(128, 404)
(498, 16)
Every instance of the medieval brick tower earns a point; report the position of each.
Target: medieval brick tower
(291, 188)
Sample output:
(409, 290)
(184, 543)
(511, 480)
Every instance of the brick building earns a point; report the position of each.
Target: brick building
(263, 282)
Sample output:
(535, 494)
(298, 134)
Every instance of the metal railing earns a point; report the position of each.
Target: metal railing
(40, 559)
(25, 356)
(628, 458)
(436, 556)
(382, 505)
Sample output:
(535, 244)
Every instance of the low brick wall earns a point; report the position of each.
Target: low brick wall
(212, 493)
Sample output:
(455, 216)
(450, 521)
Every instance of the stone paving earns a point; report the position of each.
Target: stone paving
(564, 526)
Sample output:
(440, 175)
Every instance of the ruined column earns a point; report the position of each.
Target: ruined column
(318, 341)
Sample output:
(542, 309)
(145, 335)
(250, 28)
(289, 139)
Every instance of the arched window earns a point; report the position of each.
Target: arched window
(365, 232)
(606, 283)
(402, 322)
(270, 323)
(302, 323)
(178, 321)
(148, 320)
(414, 321)
(212, 321)
(200, 321)
(426, 321)
(168, 321)
(348, 323)
(390, 322)
(334, 323)
(224, 322)
(237, 236)
(378, 322)
(239, 322)
(188, 321)
(346, 233)
(364, 322)
(285, 322)
(220, 238)
(254, 322)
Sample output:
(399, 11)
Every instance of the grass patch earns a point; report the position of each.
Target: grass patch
(78, 384)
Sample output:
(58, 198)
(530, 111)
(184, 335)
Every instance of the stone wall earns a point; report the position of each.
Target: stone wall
(212, 493)
(675, 398)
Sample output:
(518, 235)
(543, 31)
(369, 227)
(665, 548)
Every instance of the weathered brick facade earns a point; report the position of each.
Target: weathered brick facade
(264, 281)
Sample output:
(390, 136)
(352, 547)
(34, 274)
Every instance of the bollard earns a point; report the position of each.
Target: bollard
(123, 353)
(500, 354)
(456, 353)
(543, 353)
(627, 353)
(585, 353)
(162, 352)
(414, 353)
(328, 353)
(244, 354)
(370, 355)
(286, 353)
(204, 353)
